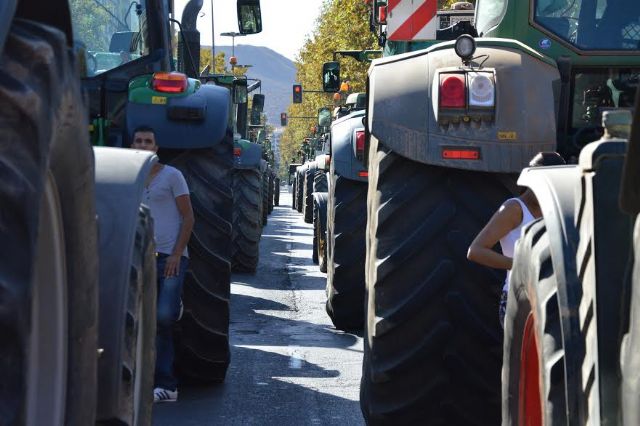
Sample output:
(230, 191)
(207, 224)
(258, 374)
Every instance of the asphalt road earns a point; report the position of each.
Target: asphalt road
(289, 366)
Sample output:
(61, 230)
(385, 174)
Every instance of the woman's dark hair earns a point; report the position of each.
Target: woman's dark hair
(547, 158)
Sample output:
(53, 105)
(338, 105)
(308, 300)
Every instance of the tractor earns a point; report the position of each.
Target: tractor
(444, 146)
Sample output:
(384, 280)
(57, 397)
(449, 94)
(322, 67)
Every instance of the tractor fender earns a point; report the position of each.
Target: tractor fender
(320, 199)
(343, 146)
(250, 155)
(7, 10)
(194, 121)
(120, 178)
(404, 113)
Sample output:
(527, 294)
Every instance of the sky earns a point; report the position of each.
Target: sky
(285, 23)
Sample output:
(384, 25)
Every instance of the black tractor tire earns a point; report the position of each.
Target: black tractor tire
(202, 335)
(319, 238)
(532, 319)
(300, 191)
(630, 349)
(347, 223)
(434, 341)
(276, 192)
(294, 192)
(265, 198)
(307, 197)
(270, 194)
(247, 220)
(47, 191)
(320, 181)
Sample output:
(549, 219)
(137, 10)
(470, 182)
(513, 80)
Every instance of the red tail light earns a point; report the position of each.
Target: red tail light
(382, 14)
(461, 153)
(237, 152)
(453, 93)
(360, 144)
(169, 82)
(363, 173)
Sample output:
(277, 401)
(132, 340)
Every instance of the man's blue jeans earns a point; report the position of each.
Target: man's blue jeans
(169, 292)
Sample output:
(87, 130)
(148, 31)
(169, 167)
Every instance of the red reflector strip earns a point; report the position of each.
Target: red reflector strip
(461, 154)
(363, 173)
(237, 152)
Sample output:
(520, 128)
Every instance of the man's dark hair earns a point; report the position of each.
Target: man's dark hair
(547, 158)
(144, 128)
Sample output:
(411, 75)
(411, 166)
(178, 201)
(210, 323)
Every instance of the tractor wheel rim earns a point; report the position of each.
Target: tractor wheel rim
(530, 403)
(47, 358)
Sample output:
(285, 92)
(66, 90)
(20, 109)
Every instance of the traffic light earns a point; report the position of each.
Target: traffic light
(283, 118)
(297, 93)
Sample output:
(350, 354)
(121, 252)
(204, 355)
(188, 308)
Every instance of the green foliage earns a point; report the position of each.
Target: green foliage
(342, 25)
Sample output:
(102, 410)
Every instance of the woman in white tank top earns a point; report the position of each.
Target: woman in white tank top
(506, 225)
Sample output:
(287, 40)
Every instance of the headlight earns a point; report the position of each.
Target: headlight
(465, 47)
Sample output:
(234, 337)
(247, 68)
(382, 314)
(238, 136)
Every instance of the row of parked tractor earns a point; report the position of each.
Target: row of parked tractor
(404, 181)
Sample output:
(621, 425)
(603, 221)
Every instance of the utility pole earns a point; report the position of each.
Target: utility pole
(213, 44)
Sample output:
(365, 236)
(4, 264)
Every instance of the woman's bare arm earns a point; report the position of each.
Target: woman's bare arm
(507, 218)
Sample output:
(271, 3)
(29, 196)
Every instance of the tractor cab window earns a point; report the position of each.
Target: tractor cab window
(592, 24)
(489, 13)
(112, 32)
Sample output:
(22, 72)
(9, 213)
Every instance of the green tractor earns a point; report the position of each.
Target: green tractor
(445, 145)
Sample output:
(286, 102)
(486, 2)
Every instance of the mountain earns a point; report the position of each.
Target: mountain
(276, 72)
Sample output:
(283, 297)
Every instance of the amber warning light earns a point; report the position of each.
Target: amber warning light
(169, 82)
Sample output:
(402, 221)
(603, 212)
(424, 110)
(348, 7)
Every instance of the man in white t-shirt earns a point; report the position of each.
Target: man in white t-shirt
(167, 195)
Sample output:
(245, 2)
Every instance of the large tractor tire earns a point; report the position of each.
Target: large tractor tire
(533, 336)
(307, 197)
(345, 273)
(320, 181)
(49, 250)
(300, 191)
(434, 341)
(202, 335)
(265, 198)
(276, 191)
(247, 220)
(630, 351)
(320, 230)
(270, 193)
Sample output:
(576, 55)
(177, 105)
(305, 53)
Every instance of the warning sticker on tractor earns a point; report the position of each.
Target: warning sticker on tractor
(158, 100)
(507, 136)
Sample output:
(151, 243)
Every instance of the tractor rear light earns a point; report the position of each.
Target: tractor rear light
(237, 152)
(382, 15)
(360, 144)
(461, 153)
(363, 173)
(453, 91)
(482, 89)
(169, 82)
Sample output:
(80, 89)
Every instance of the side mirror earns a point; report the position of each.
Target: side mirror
(124, 41)
(331, 76)
(249, 16)
(324, 117)
(240, 91)
(258, 102)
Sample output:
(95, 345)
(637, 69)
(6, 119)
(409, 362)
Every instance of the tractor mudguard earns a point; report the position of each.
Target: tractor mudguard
(250, 155)
(320, 199)
(7, 9)
(120, 177)
(186, 122)
(403, 113)
(343, 146)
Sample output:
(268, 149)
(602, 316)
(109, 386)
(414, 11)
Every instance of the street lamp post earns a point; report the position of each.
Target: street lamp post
(233, 36)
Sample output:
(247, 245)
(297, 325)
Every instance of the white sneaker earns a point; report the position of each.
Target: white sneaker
(165, 395)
